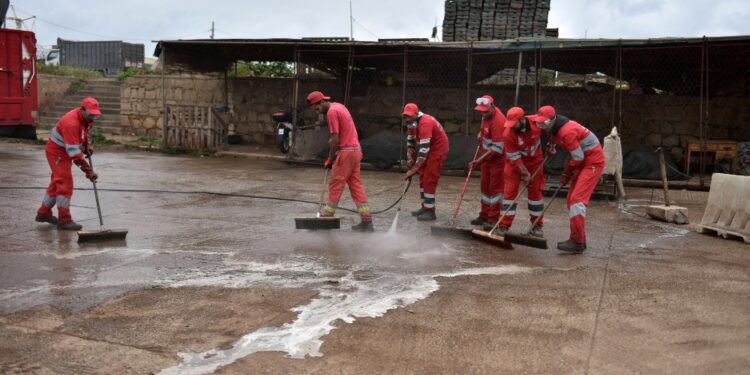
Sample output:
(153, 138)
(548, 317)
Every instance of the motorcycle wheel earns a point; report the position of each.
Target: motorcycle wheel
(284, 145)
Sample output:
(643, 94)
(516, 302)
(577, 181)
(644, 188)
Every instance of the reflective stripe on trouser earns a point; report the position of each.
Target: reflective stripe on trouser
(533, 192)
(491, 185)
(60, 189)
(346, 172)
(581, 187)
(429, 176)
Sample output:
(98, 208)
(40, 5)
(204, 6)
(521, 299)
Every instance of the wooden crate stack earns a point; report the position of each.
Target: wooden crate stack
(467, 20)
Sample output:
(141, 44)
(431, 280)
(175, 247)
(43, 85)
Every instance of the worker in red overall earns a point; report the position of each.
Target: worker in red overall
(523, 153)
(427, 149)
(68, 143)
(344, 158)
(491, 160)
(582, 171)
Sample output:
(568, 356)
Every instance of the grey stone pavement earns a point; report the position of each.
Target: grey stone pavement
(207, 283)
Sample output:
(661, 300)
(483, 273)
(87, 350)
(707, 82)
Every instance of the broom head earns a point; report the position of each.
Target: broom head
(449, 231)
(101, 235)
(526, 240)
(316, 223)
(493, 239)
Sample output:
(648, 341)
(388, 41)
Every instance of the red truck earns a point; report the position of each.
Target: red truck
(18, 84)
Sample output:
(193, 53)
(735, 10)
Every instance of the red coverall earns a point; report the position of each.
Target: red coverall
(523, 148)
(584, 168)
(428, 135)
(346, 168)
(491, 180)
(66, 143)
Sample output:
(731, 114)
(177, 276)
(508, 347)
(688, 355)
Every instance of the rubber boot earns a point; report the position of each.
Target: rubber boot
(537, 231)
(46, 219)
(365, 226)
(500, 231)
(71, 225)
(571, 246)
(478, 221)
(418, 212)
(427, 215)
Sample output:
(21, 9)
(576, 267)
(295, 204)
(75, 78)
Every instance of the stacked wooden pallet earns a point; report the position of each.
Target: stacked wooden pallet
(467, 20)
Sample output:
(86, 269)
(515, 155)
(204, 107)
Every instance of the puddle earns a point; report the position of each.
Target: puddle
(345, 301)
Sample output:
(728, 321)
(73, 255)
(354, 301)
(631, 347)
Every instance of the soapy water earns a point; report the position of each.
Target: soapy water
(350, 299)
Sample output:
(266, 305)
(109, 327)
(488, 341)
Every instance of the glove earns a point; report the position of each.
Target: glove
(86, 168)
(415, 169)
(524, 172)
(566, 175)
(410, 157)
(87, 149)
(92, 176)
(328, 164)
(551, 149)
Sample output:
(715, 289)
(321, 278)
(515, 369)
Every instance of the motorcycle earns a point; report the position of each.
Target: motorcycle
(283, 130)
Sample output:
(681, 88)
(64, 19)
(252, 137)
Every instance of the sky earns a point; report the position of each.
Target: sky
(142, 21)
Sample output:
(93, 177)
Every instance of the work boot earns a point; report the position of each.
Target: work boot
(537, 231)
(365, 226)
(427, 215)
(46, 219)
(71, 225)
(571, 246)
(418, 212)
(478, 221)
(500, 231)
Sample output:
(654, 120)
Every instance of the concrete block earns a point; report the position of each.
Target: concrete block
(669, 214)
(728, 209)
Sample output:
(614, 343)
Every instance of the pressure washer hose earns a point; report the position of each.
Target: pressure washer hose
(233, 195)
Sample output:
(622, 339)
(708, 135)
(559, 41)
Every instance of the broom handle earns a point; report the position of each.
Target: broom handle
(466, 184)
(96, 196)
(540, 167)
(554, 195)
(323, 191)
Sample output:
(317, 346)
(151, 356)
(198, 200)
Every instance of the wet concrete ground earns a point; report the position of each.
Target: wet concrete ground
(208, 283)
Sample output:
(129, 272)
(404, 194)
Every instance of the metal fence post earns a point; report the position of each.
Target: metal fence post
(164, 95)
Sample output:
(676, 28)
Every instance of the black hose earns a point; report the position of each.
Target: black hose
(234, 195)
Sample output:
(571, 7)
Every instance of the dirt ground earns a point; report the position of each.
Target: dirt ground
(207, 283)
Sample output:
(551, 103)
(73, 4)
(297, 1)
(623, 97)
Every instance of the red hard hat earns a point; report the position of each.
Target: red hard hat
(315, 97)
(514, 114)
(543, 113)
(410, 109)
(484, 103)
(92, 106)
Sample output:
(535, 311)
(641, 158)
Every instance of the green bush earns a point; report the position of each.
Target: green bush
(98, 138)
(262, 69)
(61, 70)
(129, 72)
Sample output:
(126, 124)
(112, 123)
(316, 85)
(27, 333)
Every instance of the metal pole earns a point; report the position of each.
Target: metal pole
(351, 22)
(518, 78)
(164, 95)
(701, 118)
(614, 89)
(295, 97)
(536, 74)
(348, 80)
(469, 64)
(403, 100)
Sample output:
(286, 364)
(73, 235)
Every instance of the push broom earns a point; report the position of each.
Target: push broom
(490, 236)
(452, 230)
(317, 222)
(527, 239)
(101, 234)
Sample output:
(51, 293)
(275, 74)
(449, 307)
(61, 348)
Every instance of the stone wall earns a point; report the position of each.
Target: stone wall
(249, 102)
(141, 99)
(658, 120)
(52, 89)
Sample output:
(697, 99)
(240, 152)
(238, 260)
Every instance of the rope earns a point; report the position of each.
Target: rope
(219, 194)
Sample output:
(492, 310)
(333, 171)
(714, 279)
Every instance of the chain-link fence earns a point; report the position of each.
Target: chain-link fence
(676, 94)
(673, 96)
